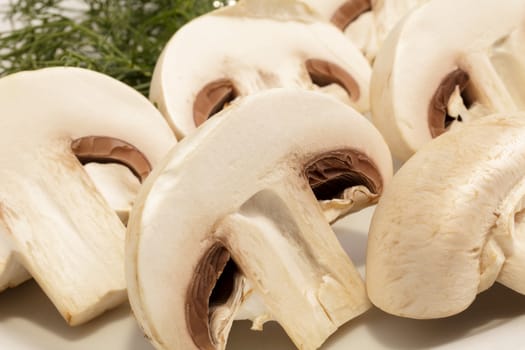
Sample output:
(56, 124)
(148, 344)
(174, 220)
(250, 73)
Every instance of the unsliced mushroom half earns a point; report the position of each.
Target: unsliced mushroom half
(451, 222)
(54, 223)
(429, 74)
(253, 46)
(366, 23)
(251, 240)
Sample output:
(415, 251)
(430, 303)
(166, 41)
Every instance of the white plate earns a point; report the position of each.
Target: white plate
(28, 321)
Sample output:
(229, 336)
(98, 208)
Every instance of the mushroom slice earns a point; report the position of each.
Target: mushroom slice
(451, 222)
(252, 240)
(252, 46)
(428, 75)
(54, 224)
(366, 23)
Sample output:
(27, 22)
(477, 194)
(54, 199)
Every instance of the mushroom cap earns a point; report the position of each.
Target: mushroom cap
(55, 223)
(419, 54)
(444, 228)
(249, 47)
(246, 184)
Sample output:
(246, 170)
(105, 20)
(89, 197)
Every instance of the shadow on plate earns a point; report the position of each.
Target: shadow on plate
(490, 310)
(376, 329)
(28, 302)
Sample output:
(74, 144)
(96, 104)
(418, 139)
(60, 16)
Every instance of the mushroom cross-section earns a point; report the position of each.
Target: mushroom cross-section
(54, 224)
(451, 222)
(253, 46)
(366, 23)
(429, 74)
(250, 230)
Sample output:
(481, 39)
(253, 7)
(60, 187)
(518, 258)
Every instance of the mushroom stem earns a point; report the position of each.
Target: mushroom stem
(253, 307)
(86, 244)
(293, 239)
(509, 61)
(457, 108)
(11, 272)
(490, 89)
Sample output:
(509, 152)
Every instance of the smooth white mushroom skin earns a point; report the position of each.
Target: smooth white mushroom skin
(255, 243)
(54, 223)
(416, 62)
(253, 46)
(450, 223)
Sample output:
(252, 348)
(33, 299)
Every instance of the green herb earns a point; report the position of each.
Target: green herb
(121, 38)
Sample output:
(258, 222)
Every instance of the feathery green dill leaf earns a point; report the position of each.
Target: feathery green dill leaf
(121, 38)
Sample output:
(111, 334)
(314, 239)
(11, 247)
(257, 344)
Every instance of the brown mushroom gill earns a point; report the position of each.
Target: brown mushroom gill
(103, 149)
(349, 12)
(329, 174)
(438, 118)
(212, 285)
(212, 98)
(324, 73)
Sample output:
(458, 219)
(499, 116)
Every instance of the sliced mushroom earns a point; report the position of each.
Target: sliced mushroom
(54, 224)
(252, 242)
(253, 46)
(366, 23)
(451, 222)
(429, 74)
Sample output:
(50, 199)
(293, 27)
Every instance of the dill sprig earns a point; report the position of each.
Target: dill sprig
(121, 38)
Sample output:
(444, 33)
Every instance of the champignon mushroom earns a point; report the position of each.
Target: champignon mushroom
(252, 46)
(54, 224)
(429, 74)
(253, 233)
(366, 23)
(451, 222)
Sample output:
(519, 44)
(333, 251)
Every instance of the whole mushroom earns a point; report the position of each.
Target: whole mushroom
(252, 46)
(451, 222)
(251, 240)
(54, 224)
(429, 75)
